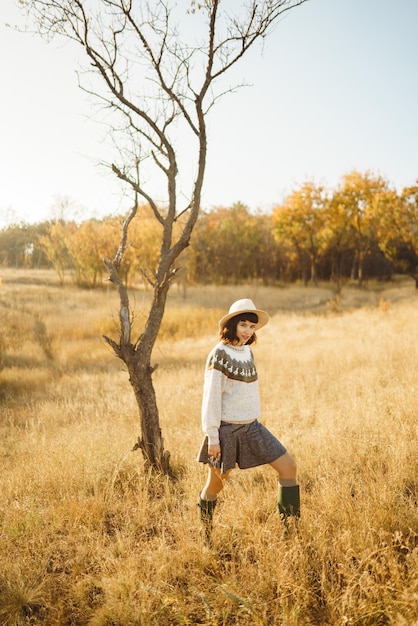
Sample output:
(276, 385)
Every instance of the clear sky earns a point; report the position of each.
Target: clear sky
(334, 89)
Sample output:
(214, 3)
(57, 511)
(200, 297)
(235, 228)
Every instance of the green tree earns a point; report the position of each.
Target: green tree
(225, 244)
(19, 246)
(270, 263)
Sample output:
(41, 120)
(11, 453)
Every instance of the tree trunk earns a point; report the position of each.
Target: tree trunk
(336, 271)
(361, 269)
(137, 358)
(151, 443)
(354, 268)
(314, 271)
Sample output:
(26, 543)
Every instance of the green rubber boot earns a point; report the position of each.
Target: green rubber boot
(289, 502)
(206, 509)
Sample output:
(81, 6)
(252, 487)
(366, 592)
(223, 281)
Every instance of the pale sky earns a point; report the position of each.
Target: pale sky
(335, 89)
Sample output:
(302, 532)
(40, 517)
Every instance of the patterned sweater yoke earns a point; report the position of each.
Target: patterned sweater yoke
(236, 366)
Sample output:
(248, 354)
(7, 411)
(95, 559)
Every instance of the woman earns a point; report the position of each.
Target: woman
(230, 412)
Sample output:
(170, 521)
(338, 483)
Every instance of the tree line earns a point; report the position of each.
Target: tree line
(361, 229)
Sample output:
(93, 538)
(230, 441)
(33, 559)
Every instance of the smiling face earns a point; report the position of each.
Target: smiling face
(240, 330)
(245, 330)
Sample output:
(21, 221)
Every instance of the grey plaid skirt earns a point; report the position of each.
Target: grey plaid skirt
(247, 445)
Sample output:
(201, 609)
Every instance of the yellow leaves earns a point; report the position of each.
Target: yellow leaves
(363, 216)
(81, 248)
(301, 218)
(194, 6)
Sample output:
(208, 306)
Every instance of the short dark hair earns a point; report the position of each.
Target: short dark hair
(228, 333)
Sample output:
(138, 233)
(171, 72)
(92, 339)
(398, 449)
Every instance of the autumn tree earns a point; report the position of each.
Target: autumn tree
(89, 242)
(17, 247)
(268, 258)
(337, 236)
(143, 245)
(159, 69)
(359, 194)
(398, 229)
(54, 244)
(298, 223)
(225, 245)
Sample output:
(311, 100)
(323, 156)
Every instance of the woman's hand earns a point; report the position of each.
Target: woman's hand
(215, 451)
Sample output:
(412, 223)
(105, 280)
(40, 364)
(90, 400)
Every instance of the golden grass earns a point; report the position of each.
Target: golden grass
(86, 538)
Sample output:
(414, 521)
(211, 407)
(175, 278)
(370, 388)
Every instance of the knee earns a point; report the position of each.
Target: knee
(292, 465)
(286, 466)
(214, 483)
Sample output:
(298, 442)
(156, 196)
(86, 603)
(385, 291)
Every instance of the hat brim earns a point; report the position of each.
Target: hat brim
(263, 317)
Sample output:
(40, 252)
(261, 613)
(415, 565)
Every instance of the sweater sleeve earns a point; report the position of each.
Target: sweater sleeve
(212, 404)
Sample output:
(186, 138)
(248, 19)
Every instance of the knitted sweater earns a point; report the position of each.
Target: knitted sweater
(230, 390)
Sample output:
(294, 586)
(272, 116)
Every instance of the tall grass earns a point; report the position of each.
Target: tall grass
(87, 538)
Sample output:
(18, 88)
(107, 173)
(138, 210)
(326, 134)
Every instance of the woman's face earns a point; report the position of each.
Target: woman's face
(245, 330)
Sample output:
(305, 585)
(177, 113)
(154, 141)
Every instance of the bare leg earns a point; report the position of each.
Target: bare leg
(214, 484)
(286, 467)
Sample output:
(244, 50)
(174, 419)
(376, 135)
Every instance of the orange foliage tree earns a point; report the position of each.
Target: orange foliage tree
(398, 229)
(358, 194)
(298, 225)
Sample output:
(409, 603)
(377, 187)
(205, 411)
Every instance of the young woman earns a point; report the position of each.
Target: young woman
(230, 412)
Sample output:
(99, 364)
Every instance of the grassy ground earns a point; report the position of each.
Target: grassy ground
(86, 538)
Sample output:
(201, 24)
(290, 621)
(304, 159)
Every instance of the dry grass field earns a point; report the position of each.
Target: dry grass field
(88, 539)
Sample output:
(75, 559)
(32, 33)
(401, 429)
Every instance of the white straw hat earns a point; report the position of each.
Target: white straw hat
(245, 306)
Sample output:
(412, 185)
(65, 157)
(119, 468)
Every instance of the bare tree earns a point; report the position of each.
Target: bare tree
(160, 67)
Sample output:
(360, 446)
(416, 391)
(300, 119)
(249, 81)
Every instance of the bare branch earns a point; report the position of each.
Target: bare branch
(147, 277)
(134, 184)
(262, 17)
(157, 60)
(124, 311)
(124, 236)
